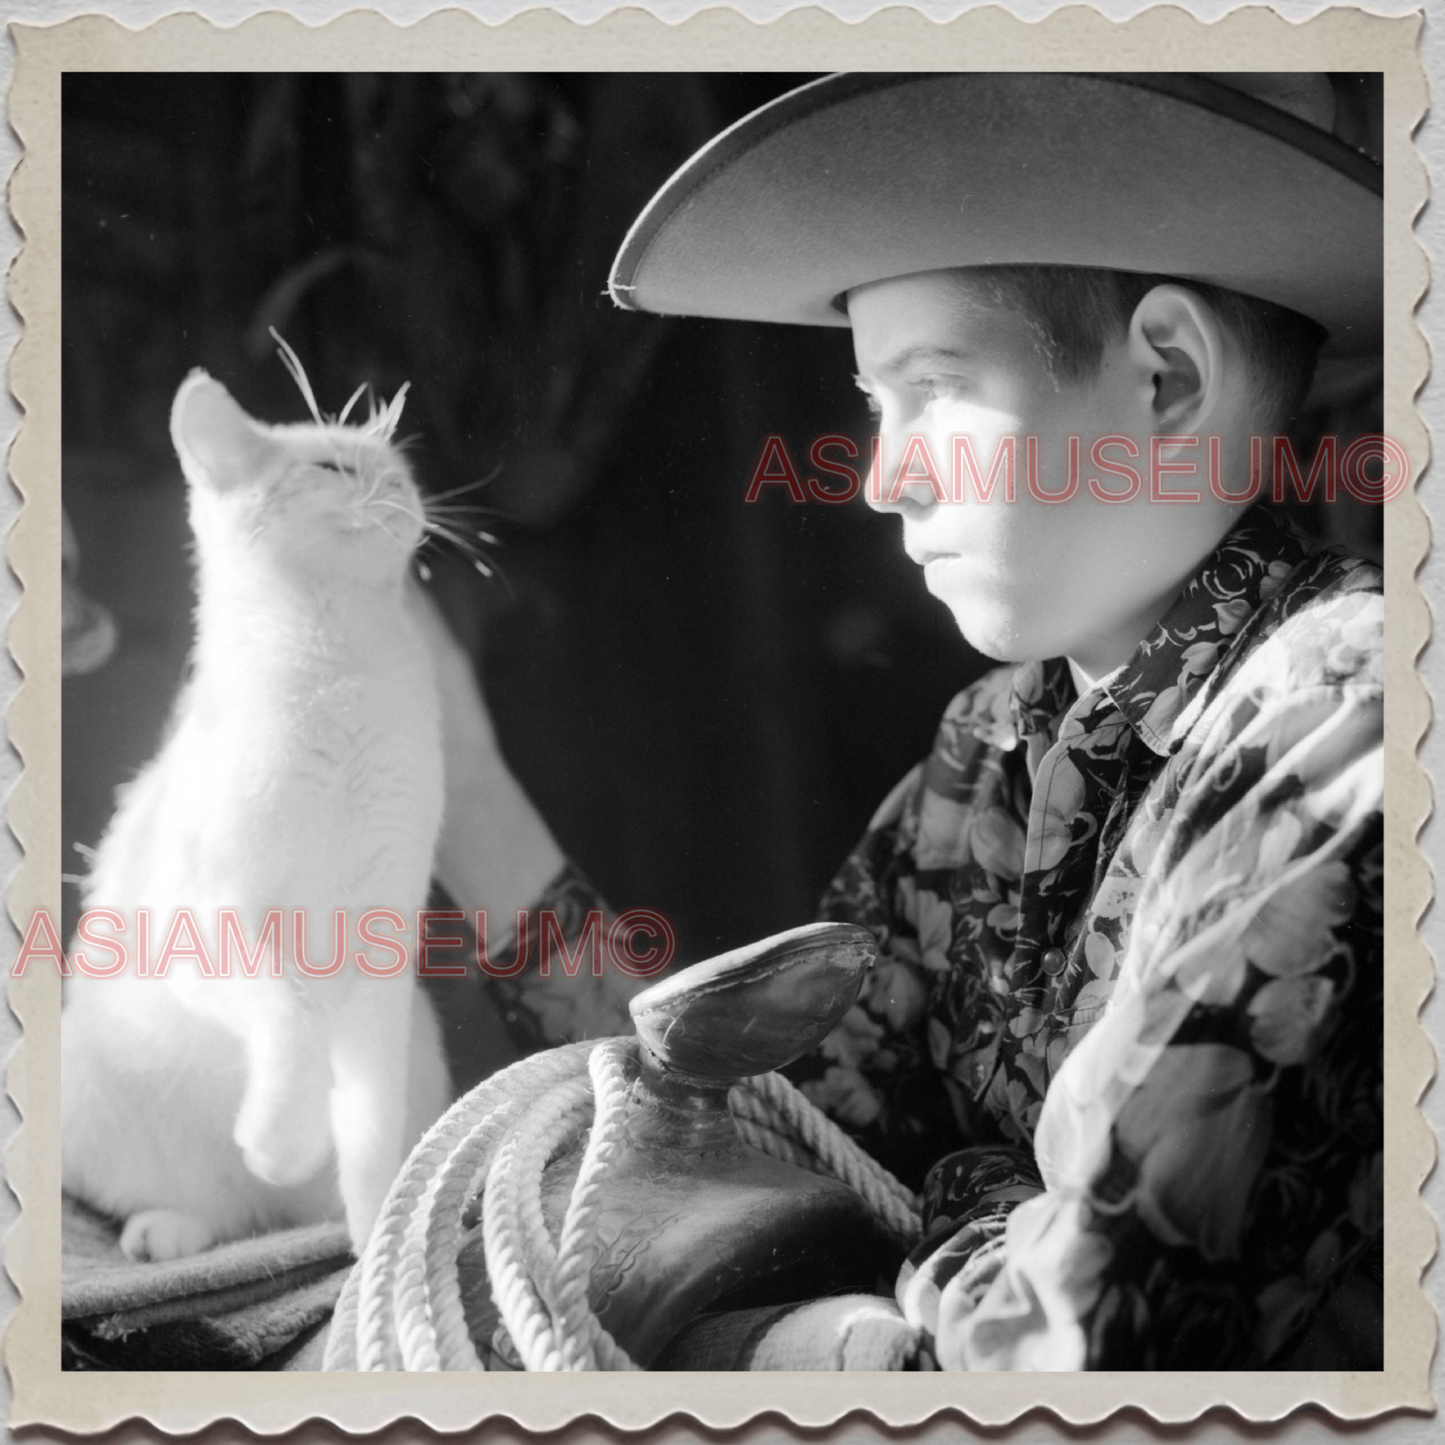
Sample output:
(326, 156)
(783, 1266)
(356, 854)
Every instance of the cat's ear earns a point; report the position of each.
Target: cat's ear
(216, 441)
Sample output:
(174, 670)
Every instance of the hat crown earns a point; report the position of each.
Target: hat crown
(1307, 95)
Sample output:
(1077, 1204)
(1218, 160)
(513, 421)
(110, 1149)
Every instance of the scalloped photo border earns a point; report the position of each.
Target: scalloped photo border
(802, 40)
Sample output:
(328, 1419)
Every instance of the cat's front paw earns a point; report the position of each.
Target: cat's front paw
(157, 1234)
(284, 1150)
(283, 1168)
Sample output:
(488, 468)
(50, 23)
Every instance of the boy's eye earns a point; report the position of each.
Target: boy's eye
(936, 386)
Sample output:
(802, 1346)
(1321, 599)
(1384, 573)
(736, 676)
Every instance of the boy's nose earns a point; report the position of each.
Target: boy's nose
(887, 494)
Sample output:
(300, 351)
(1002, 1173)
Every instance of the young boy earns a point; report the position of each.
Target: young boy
(1126, 1019)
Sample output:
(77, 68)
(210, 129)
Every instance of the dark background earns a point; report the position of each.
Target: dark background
(705, 699)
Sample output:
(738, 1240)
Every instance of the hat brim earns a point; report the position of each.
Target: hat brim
(860, 177)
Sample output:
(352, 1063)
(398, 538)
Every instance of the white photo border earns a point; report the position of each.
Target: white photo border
(801, 39)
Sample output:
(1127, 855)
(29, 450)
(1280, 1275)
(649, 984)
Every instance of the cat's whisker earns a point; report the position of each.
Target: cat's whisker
(402, 539)
(374, 483)
(373, 486)
(292, 363)
(409, 513)
(485, 481)
(486, 566)
(495, 572)
(463, 517)
(459, 540)
(351, 402)
(464, 509)
(388, 419)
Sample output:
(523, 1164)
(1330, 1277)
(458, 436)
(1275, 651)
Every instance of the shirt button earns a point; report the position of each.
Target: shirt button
(1053, 961)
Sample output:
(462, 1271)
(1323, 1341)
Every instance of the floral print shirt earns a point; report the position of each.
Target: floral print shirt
(1125, 1027)
(1127, 1012)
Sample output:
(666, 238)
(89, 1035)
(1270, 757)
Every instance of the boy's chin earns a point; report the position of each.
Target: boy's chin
(999, 634)
(1012, 635)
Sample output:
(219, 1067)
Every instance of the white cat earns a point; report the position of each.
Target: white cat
(302, 770)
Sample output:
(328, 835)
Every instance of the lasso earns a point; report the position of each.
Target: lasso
(401, 1308)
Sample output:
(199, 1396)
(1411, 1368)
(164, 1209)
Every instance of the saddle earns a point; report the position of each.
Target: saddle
(589, 1206)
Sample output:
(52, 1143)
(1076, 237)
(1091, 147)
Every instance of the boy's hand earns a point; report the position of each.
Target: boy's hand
(467, 732)
(494, 852)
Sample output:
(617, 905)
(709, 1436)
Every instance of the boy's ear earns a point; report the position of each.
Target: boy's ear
(1176, 339)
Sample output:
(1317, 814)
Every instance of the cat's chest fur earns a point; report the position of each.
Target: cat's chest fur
(304, 768)
(332, 728)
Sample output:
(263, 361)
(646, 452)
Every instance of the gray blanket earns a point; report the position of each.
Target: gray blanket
(250, 1304)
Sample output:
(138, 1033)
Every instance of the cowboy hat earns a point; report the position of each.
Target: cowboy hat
(1235, 180)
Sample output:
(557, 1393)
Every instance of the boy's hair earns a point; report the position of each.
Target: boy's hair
(1076, 310)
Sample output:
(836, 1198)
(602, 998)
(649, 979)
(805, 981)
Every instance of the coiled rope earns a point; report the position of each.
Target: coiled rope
(401, 1307)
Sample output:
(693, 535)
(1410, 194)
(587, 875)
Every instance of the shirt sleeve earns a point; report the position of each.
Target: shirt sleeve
(876, 1074)
(550, 975)
(887, 1074)
(1210, 1154)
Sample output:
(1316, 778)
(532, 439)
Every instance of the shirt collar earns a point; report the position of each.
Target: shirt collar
(1168, 667)
(1041, 693)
